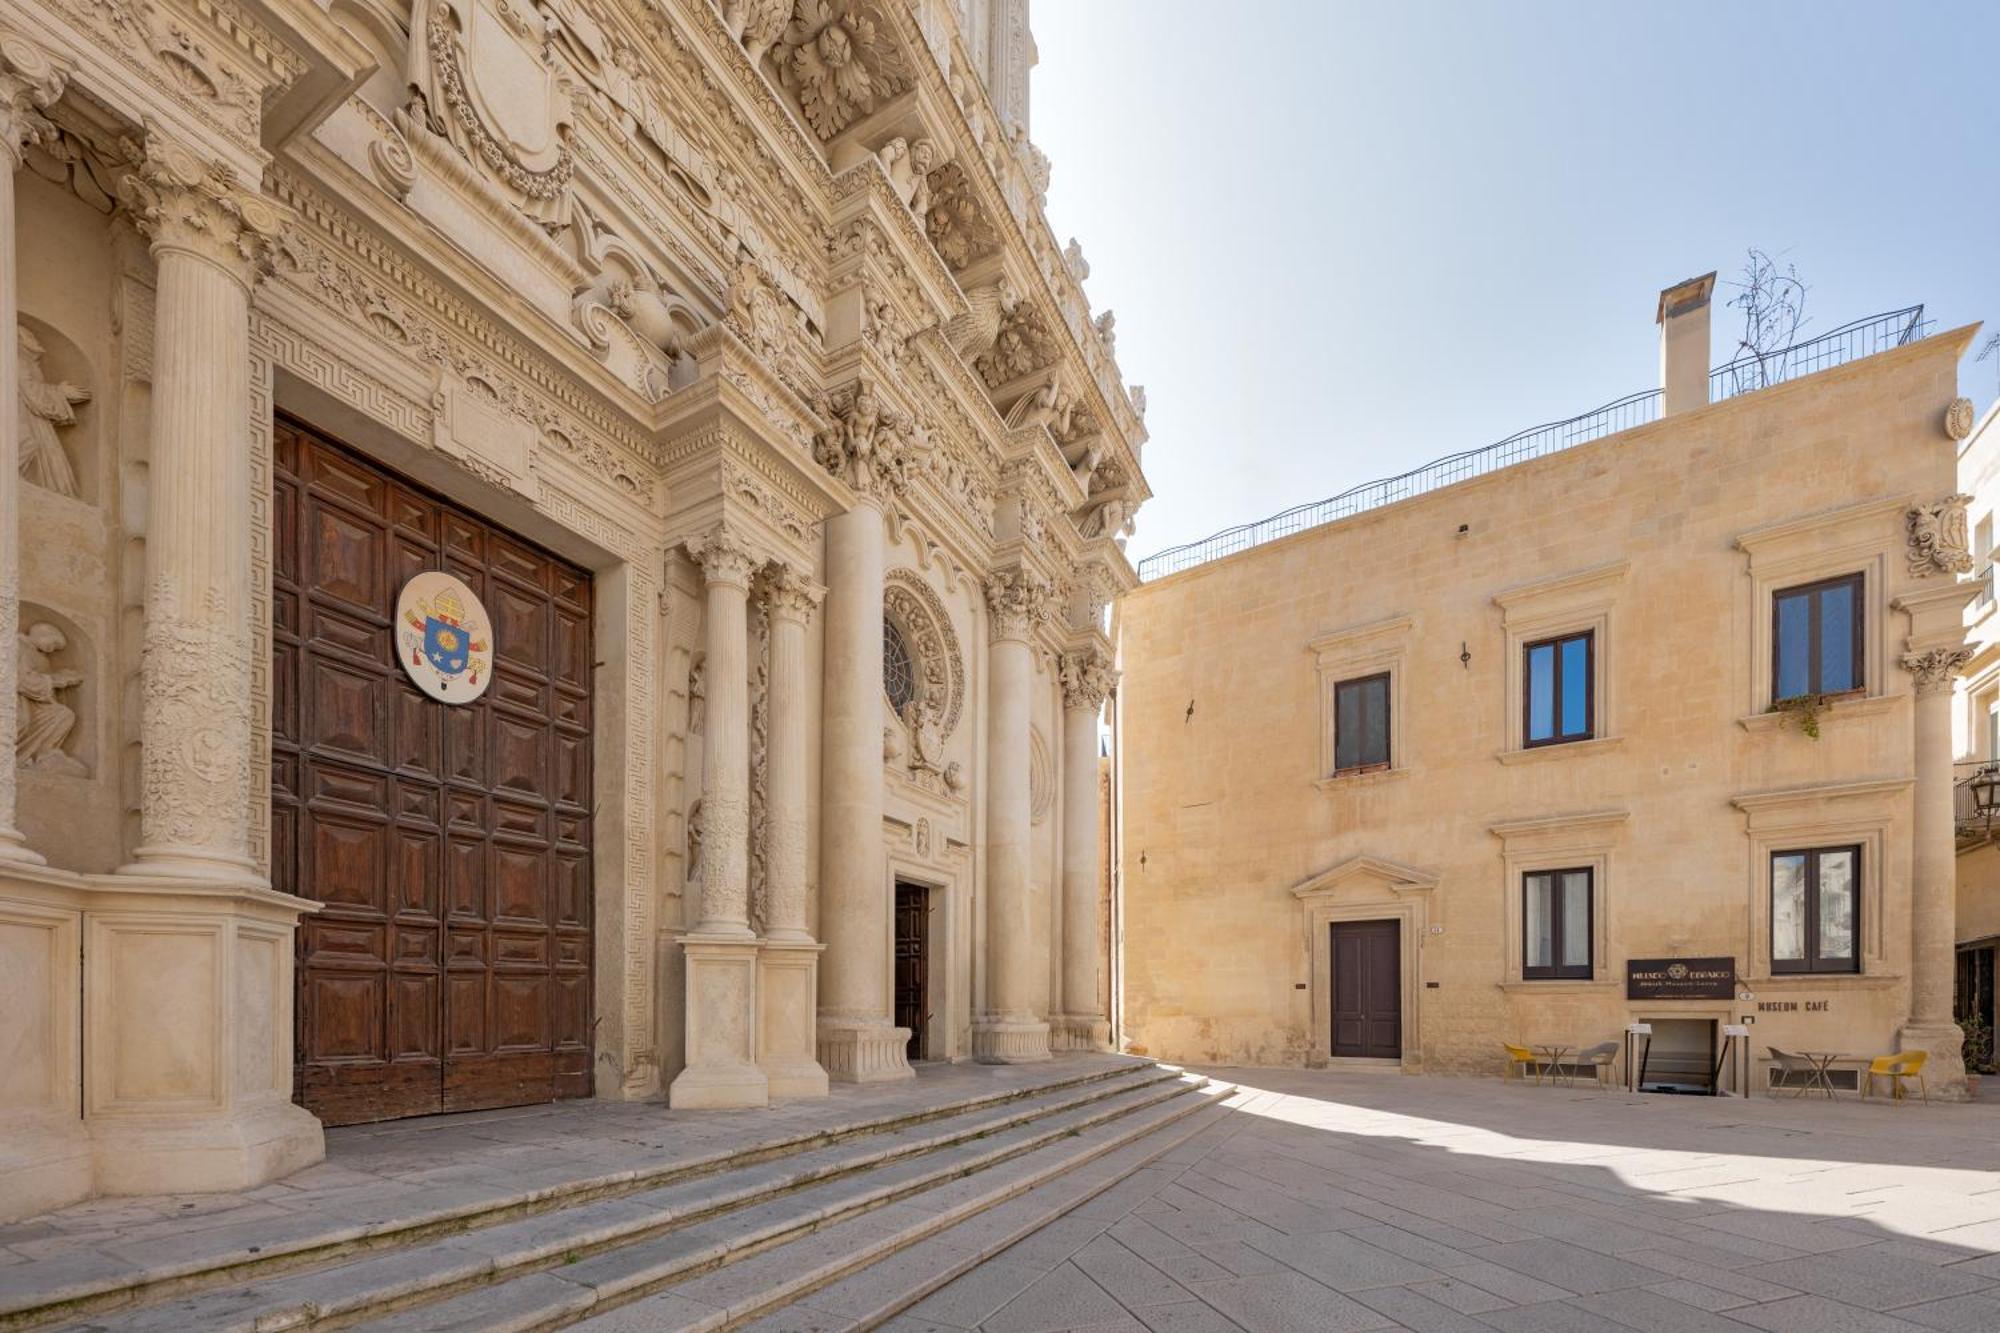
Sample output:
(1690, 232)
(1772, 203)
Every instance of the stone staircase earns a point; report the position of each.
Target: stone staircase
(870, 1221)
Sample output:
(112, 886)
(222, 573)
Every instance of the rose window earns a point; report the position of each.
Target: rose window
(899, 672)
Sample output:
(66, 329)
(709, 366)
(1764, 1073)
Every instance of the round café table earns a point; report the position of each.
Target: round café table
(1821, 1062)
(1552, 1053)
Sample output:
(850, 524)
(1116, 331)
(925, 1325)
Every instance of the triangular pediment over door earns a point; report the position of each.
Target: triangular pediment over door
(1366, 887)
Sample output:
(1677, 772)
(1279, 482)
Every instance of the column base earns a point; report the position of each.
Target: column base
(721, 1018)
(1002, 1042)
(1079, 1032)
(14, 847)
(787, 997)
(197, 1153)
(192, 863)
(1944, 1072)
(864, 1051)
(44, 1164)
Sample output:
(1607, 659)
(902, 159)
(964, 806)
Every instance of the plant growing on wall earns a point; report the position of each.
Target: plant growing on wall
(1978, 1042)
(1803, 709)
(1773, 304)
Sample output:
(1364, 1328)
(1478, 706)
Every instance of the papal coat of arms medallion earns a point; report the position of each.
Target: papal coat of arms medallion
(443, 638)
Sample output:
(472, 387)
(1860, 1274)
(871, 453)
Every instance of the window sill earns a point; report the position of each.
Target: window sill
(1867, 705)
(1563, 987)
(1537, 753)
(1368, 778)
(1808, 981)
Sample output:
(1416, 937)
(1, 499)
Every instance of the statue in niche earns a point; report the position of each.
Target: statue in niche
(925, 721)
(43, 723)
(45, 405)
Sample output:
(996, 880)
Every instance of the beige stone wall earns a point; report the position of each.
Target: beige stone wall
(1668, 540)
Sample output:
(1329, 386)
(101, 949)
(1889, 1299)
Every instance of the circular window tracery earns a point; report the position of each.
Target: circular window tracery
(899, 671)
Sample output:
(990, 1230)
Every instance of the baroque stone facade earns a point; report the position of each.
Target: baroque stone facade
(1349, 751)
(713, 343)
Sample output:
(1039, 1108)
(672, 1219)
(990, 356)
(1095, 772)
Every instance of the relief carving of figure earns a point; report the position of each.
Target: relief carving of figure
(45, 405)
(43, 723)
(756, 23)
(925, 721)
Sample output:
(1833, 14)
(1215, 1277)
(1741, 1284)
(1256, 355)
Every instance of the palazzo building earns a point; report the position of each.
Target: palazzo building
(1643, 717)
(1976, 732)
(547, 550)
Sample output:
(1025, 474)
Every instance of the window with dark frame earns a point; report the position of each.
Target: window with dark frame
(1559, 694)
(1816, 910)
(1816, 638)
(1556, 925)
(1361, 724)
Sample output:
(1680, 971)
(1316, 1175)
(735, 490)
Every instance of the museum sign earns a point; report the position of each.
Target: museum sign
(1680, 978)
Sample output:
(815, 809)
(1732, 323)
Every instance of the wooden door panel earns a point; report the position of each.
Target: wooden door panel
(912, 963)
(450, 965)
(1366, 988)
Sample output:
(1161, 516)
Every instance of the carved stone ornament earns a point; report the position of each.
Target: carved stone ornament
(444, 638)
(1938, 541)
(46, 407)
(1958, 418)
(179, 202)
(1015, 599)
(756, 23)
(869, 445)
(29, 81)
(723, 557)
(1086, 678)
(937, 664)
(483, 76)
(972, 333)
(959, 228)
(840, 58)
(1935, 668)
(790, 594)
(43, 722)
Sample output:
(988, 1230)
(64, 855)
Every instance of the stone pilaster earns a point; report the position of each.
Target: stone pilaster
(1933, 876)
(721, 950)
(1086, 679)
(212, 239)
(868, 447)
(1010, 1030)
(29, 81)
(788, 965)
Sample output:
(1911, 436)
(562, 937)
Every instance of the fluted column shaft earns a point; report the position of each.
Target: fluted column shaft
(28, 82)
(211, 241)
(725, 769)
(791, 603)
(1085, 679)
(1012, 1029)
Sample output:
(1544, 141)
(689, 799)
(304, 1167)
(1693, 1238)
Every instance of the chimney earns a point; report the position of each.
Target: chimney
(1683, 320)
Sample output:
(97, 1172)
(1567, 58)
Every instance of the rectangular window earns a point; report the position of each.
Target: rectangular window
(1361, 724)
(1816, 638)
(1560, 690)
(1816, 910)
(1556, 925)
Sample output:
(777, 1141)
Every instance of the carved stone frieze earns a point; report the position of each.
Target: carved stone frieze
(869, 445)
(840, 58)
(756, 23)
(1016, 601)
(1938, 539)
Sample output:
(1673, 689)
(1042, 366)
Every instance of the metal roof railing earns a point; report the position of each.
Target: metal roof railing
(1849, 342)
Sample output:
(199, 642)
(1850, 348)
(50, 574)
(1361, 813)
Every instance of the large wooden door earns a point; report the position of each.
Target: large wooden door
(1367, 989)
(912, 963)
(449, 968)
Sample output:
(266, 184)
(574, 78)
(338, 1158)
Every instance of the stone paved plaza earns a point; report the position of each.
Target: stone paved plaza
(1362, 1201)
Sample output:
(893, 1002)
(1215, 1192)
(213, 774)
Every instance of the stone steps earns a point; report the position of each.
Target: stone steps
(731, 1269)
(430, 1259)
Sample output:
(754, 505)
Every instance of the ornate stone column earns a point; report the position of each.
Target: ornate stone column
(858, 1039)
(29, 81)
(788, 965)
(1010, 1031)
(1933, 875)
(212, 240)
(722, 950)
(1086, 679)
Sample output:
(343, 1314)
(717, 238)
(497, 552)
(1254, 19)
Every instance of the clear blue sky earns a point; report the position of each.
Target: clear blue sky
(1345, 238)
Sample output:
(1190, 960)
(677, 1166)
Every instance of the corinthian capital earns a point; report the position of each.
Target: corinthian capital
(179, 202)
(791, 593)
(868, 445)
(1935, 668)
(1015, 599)
(1086, 678)
(30, 80)
(723, 557)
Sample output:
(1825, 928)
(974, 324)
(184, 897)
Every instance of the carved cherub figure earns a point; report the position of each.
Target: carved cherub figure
(43, 723)
(756, 23)
(45, 405)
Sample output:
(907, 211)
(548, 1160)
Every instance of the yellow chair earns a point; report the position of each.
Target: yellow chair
(1896, 1068)
(1520, 1060)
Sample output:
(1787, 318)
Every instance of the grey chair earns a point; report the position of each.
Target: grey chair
(1793, 1071)
(1598, 1059)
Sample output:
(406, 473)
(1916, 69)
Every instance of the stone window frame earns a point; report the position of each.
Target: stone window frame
(1575, 603)
(1830, 814)
(1374, 648)
(1585, 841)
(1854, 539)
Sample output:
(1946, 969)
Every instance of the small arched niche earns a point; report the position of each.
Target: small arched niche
(59, 416)
(56, 688)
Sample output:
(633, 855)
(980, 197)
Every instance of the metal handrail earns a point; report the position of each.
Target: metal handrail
(1747, 374)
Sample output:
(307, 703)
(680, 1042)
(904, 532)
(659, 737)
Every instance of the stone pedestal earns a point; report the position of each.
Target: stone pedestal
(1011, 1030)
(721, 951)
(858, 1039)
(45, 1151)
(787, 1037)
(1082, 1026)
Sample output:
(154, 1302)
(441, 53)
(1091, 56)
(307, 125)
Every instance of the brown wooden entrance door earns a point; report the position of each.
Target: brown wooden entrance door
(449, 968)
(912, 963)
(1367, 989)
